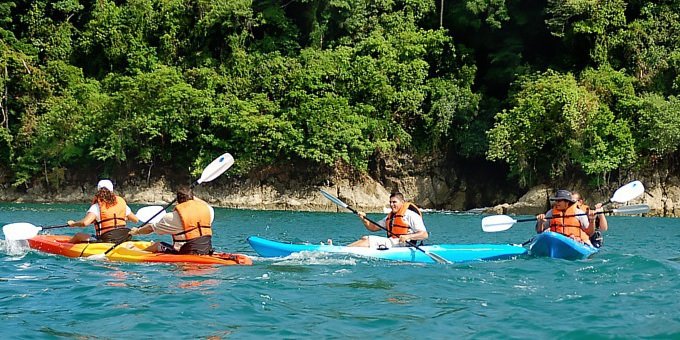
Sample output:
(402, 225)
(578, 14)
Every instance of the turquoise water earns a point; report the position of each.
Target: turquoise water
(628, 290)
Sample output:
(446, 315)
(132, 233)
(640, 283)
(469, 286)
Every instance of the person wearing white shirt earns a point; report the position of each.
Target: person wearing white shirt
(404, 225)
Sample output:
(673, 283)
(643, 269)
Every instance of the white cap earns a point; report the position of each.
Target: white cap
(105, 183)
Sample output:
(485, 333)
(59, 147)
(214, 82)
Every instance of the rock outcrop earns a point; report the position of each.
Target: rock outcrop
(429, 183)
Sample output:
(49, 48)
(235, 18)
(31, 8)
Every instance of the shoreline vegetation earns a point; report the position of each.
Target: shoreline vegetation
(459, 106)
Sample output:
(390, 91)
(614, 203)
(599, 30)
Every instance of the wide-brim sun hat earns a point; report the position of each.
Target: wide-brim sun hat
(563, 195)
(105, 183)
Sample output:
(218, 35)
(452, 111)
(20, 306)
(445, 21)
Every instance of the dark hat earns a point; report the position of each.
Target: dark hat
(563, 195)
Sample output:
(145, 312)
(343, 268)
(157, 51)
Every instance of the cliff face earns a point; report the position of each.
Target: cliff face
(430, 183)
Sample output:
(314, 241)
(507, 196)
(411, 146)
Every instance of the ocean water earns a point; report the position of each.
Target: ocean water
(630, 289)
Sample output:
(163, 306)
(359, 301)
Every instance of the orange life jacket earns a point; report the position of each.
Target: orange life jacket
(195, 216)
(111, 217)
(569, 225)
(396, 224)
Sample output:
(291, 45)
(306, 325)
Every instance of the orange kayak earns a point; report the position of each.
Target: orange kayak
(131, 251)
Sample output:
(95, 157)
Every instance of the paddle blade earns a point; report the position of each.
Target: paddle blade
(150, 214)
(334, 199)
(216, 168)
(496, 223)
(632, 209)
(628, 192)
(20, 231)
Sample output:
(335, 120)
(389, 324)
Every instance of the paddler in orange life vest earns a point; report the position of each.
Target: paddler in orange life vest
(598, 222)
(109, 214)
(404, 223)
(561, 219)
(189, 224)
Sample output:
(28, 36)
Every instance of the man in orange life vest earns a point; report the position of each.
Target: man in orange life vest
(561, 218)
(404, 222)
(189, 224)
(109, 213)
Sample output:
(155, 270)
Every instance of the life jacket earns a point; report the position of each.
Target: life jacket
(111, 217)
(195, 216)
(396, 224)
(565, 223)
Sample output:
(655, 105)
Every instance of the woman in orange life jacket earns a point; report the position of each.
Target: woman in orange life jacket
(597, 220)
(405, 223)
(109, 213)
(572, 226)
(189, 224)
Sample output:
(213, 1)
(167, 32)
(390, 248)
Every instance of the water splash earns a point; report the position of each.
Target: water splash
(15, 247)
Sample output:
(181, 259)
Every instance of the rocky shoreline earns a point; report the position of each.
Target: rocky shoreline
(364, 193)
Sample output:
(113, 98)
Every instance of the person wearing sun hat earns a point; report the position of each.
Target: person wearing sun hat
(109, 214)
(565, 218)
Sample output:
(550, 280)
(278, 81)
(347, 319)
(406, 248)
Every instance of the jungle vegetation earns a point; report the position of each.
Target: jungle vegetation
(545, 88)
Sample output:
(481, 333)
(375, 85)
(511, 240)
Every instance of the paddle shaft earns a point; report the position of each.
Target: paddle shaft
(551, 217)
(55, 227)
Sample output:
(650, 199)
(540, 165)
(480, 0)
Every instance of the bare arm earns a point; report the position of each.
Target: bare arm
(540, 223)
(84, 222)
(419, 235)
(370, 226)
(143, 230)
(132, 217)
(602, 220)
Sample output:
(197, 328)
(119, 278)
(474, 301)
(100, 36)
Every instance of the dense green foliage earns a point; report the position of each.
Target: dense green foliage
(549, 88)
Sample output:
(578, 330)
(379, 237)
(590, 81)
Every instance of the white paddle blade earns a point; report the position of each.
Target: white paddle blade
(216, 168)
(20, 231)
(496, 223)
(632, 209)
(334, 199)
(628, 192)
(150, 214)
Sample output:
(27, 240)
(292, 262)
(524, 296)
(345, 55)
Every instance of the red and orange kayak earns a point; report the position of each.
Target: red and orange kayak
(131, 251)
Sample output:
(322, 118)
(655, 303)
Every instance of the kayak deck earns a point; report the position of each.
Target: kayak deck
(556, 245)
(451, 252)
(131, 251)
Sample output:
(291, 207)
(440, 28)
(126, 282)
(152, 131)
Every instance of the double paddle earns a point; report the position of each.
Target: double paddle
(496, 223)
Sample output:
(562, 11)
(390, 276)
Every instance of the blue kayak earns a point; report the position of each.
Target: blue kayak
(558, 246)
(451, 252)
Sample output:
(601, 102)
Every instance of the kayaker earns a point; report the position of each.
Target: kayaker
(404, 223)
(597, 220)
(561, 218)
(189, 224)
(109, 214)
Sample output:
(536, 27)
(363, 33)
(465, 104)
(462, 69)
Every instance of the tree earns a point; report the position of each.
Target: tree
(556, 126)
